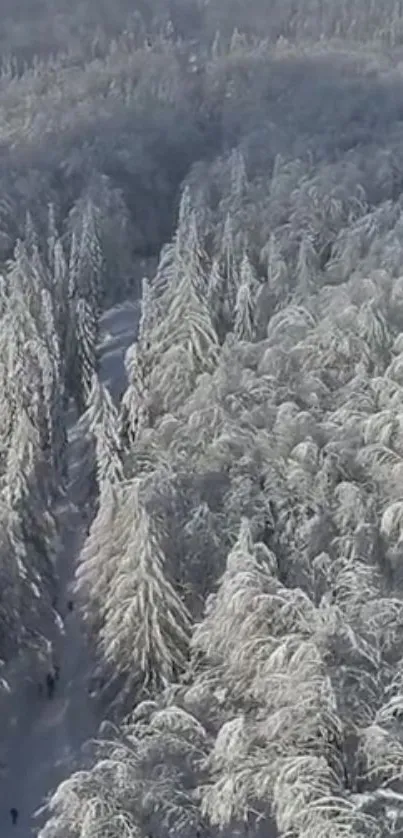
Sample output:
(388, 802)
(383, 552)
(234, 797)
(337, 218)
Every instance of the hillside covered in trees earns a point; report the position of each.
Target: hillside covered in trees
(236, 169)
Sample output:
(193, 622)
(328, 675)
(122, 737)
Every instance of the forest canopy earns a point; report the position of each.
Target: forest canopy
(236, 169)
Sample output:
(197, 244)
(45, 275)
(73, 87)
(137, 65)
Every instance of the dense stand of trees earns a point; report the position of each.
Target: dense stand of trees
(241, 583)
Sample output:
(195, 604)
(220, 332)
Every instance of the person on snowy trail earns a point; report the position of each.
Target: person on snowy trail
(50, 685)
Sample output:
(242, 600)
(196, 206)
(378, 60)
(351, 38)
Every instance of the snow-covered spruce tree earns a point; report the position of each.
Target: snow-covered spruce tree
(98, 558)
(185, 253)
(26, 491)
(185, 248)
(85, 296)
(89, 257)
(244, 307)
(223, 283)
(233, 205)
(220, 630)
(85, 351)
(134, 406)
(101, 224)
(276, 289)
(53, 385)
(101, 420)
(31, 239)
(148, 313)
(307, 269)
(195, 256)
(61, 286)
(184, 345)
(141, 779)
(145, 634)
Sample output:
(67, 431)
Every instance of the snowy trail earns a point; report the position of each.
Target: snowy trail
(44, 737)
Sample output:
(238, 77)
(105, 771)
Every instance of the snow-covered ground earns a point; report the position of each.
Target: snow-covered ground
(119, 329)
(44, 737)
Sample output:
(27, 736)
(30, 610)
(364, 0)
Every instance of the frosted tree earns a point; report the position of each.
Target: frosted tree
(219, 635)
(32, 533)
(244, 305)
(308, 802)
(216, 298)
(85, 294)
(146, 630)
(142, 778)
(101, 222)
(268, 663)
(53, 385)
(36, 377)
(87, 257)
(22, 379)
(59, 291)
(22, 459)
(86, 354)
(73, 269)
(98, 558)
(238, 176)
(185, 220)
(373, 328)
(185, 254)
(30, 234)
(307, 268)
(40, 270)
(184, 345)
(52, 237)
(228, 261)
(68, 284)
(277, 269)
(203, 550)
(134, 407)
(147, 313)
(24, 608)
(23, 278)
(101, 418)
(12, 571)
(195, 258)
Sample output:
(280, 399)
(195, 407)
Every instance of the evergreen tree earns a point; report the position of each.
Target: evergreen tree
(86, 354)
(101, 418)
(146, 630)
(244, 306)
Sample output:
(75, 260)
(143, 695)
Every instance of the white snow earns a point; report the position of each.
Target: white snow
(44, 737)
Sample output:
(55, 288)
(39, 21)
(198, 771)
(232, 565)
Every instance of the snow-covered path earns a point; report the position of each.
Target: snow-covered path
(43, 737)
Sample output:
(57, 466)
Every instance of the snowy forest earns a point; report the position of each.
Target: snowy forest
(225, 556)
